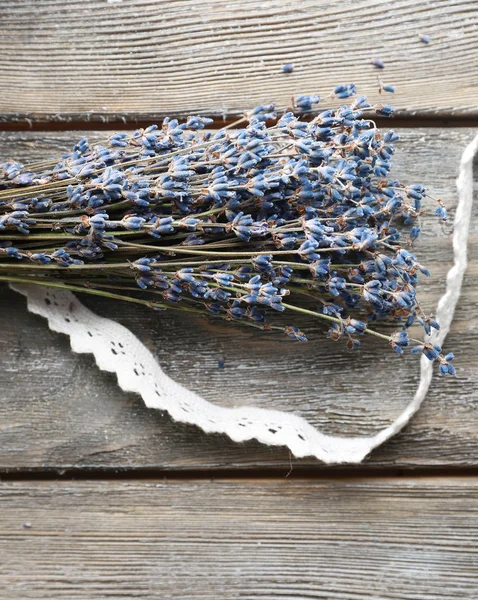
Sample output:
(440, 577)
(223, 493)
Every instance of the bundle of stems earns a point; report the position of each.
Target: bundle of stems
(295, 213)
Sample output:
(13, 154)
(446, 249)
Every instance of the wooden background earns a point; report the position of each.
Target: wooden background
(102, 498)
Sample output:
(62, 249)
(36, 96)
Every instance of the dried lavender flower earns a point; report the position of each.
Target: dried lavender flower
(293, 217)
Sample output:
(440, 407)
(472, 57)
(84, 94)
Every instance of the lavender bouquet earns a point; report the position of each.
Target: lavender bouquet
(296, 214)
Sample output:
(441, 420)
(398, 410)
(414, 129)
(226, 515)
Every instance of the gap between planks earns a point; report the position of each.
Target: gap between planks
(99, 122)
(295, 471)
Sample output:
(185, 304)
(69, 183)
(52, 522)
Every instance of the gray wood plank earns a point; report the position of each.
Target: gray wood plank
(57, 411)
(94, 59)
(367, 539)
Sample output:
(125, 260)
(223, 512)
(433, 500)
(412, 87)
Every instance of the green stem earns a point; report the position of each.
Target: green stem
(78, 211)
(148, 303)
(55, 267)
(83, 290)
(180, 250)
(312, 313)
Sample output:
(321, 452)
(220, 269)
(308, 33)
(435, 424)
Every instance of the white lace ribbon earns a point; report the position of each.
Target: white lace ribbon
(118, 351)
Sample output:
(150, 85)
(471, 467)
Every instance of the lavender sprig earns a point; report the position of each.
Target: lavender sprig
(232, 222)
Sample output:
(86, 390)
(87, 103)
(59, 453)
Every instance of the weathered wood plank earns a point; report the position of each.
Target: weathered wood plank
(354, 539)
(70, 59)
(59, 412)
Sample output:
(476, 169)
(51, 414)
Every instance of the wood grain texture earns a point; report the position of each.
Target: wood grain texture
(370, 539)
(57, 411)
(92, 59)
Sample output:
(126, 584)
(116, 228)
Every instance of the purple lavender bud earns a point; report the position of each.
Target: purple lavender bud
(12, 252)
(223, 279)
(441, 212)
(196, 123)
(390, 136)
(305, 102)
(40, 257)
(415, 233)
(388, 88)
(262, 263)
(376, 62)
(345, 90)
(384, 110)
(185, 274)
(188, 223)
(295, 334)
(132, 223)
